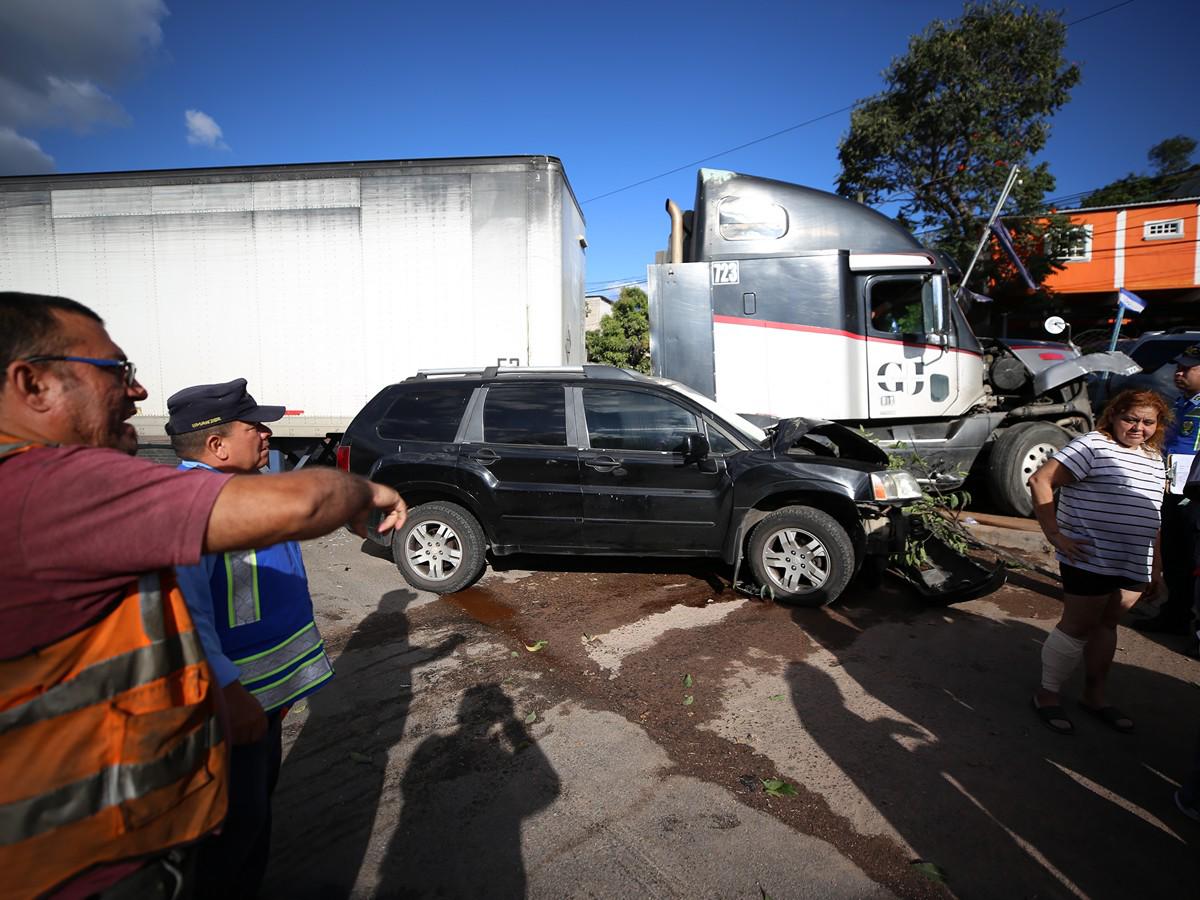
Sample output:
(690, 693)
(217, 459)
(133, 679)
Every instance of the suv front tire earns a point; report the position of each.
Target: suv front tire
(440, 548)
(803, 555)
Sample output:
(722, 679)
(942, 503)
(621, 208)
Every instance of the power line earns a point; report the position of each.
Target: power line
(612, 285)
(720, 153)
(790, 128)
(1099, 13)
(1145, 205)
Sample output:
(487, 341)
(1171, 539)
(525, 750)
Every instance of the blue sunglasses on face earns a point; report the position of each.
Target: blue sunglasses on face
(128, 369)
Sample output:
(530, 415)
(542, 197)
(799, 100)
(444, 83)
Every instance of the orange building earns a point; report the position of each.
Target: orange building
(1148, 248)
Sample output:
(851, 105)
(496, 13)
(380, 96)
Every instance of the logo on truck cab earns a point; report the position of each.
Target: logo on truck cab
(902, 378)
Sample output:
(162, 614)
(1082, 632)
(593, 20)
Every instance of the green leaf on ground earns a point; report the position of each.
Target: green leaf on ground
(360, 757)
(689, 700)
(515, 653)
(778, 788)
(776, 697)
(531, 718)
(932, 871)
(536, 646)
(688, 681)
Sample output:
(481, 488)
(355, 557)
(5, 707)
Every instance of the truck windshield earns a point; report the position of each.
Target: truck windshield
(749, 430)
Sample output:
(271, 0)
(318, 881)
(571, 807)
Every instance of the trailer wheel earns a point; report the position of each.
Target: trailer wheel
(803, 555)
(440, 548)
(1019, 452)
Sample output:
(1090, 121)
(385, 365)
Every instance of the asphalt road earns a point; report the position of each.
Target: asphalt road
(568, 732)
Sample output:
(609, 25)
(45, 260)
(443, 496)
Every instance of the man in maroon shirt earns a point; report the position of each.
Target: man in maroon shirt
(82, 518)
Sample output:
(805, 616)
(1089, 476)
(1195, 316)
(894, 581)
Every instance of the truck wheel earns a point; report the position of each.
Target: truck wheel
(440, 548)
(803, 555)
(1019, 452)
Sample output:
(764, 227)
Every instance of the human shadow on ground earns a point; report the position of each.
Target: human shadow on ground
(333, 775)
(465, 797)
(927, 712)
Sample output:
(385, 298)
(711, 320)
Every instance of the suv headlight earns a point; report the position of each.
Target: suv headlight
(895, 485)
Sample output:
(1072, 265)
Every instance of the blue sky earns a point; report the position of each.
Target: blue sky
(620, 91)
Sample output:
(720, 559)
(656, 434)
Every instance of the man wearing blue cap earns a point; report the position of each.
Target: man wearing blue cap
(267, 652)
(1181, 516)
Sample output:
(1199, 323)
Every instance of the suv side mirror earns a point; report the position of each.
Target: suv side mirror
(695, 447)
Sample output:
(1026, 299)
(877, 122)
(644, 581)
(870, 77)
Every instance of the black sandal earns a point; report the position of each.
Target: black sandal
(1051, 714)
(1110, 716)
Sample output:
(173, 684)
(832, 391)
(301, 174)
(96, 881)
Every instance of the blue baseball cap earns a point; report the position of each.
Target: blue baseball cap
(206, 405)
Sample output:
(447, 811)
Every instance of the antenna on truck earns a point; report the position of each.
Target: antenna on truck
(1008, 186)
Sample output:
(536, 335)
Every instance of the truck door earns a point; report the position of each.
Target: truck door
(911, 370)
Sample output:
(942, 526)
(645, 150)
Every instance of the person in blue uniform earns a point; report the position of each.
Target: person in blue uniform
(270, 652)
(1181, 515)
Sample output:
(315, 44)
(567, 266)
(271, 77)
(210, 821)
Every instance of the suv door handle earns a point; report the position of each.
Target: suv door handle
(485, 456)
(602, 463)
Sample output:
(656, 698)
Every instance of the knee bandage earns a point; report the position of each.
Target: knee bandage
(1060, 656)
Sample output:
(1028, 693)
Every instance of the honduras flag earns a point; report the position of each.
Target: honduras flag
(1005, 240)
(1131, 301)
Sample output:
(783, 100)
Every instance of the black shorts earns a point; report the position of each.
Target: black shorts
(1083, 583)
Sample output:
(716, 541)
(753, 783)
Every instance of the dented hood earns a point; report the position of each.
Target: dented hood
(826, 438)
(1066, 372)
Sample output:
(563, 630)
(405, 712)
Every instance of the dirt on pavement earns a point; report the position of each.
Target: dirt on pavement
(586, 728)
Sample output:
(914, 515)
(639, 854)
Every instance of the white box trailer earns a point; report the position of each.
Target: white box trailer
(319, 283)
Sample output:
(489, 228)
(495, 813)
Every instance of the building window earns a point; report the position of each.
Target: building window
(747, 219)
(1077, 247)
(1157, 231)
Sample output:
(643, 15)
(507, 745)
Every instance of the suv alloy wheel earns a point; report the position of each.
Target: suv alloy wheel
(440, 548)
(803, 555)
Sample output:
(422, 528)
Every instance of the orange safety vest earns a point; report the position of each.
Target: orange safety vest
(110, 741)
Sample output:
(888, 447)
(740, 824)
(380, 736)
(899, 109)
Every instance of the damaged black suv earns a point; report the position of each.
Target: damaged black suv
(599, 460)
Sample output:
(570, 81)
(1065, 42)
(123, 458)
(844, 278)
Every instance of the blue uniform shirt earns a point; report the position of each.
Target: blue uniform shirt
(1184, 434)
(260, 613)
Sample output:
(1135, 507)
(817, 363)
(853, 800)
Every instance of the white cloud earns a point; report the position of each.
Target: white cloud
(203, 131)
(22, 156)
(59, 59)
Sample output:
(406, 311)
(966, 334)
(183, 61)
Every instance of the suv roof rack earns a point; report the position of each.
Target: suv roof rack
(589, 370)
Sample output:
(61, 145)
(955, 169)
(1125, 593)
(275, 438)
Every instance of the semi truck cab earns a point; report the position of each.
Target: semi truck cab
(779, 300)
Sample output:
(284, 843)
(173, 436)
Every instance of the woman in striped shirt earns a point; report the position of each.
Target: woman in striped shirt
(1110, 485)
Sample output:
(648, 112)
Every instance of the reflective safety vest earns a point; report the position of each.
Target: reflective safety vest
(264, 618)
(110, 745)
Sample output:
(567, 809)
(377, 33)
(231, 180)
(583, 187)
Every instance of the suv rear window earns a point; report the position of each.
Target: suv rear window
(631, 420)
(426, 413)
(525, 414)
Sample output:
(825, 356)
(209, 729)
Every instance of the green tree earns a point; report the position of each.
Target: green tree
(1171, 160)
(623, 338)
(1172, 155)
(1130, 189)
(971, 97)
